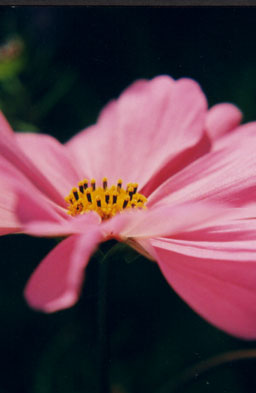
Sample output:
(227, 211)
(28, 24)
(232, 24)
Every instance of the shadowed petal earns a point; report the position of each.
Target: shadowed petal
(226, 175)
(175, 165)
(57, 281)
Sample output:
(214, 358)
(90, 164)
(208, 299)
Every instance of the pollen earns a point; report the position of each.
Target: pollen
(104, 200)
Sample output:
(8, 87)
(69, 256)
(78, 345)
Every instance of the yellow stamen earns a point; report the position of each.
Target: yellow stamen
(81, 186)
(119, 184)
(105, 183)
(104, 200)
(93, 184)
(85, 183)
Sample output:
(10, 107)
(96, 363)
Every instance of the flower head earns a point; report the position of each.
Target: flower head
(186, 199)
(104, 200)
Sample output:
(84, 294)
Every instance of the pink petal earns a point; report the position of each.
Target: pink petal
(21, 200)
(220, 290)
(8, 220)
(234, 226)
(10, 177)
(33, 206)
(20, 165)
(142, 246)
(63, 228)
(56, 283)
(52, 159)
(238, 137)
(226, 175)
(163, 220)
(175, 165)
(149, 125)
(38, 216)
(233, 250)
(5, 128)
(221, 119)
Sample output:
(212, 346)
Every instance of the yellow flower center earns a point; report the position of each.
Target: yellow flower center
(104, 200)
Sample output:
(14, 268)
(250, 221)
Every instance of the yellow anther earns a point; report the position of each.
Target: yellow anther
(98, 201)
(81, 186)
(105, 183)
(128, 186)
(114, 196)
(107, 197)
(125, 202)
(88, 194)
(106, 201)
(93, 184)
(130, 191)
(119, 184)
(135, 187)
(75, 193)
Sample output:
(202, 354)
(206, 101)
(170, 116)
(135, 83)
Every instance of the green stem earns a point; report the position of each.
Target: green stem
(196, 371)
(103, 341)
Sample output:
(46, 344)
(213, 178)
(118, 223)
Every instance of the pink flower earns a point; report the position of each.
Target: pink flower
(193, 205)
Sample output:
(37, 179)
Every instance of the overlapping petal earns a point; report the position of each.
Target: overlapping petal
(197, 169)
(222, 119)
(226, 175)
(239, 136)
(213, 269)
(11, 153)
(164, 220)
(41, 160)
(39, 217)
(148, 126)
(55, 163)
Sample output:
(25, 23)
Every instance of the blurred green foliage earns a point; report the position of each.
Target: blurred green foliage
(58, 68)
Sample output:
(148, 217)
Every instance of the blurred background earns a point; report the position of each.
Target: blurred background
(58, 67)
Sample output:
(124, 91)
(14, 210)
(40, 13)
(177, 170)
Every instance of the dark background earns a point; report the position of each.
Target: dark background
(58, 68)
